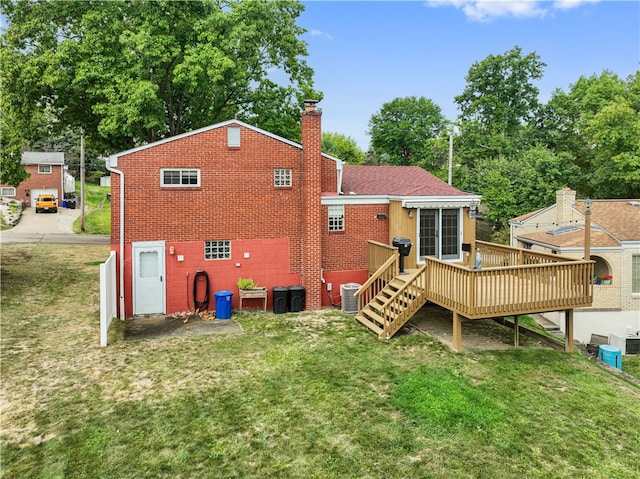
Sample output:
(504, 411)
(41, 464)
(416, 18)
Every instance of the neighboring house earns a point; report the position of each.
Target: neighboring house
(47, 175)
(237, 201)
(614, 246)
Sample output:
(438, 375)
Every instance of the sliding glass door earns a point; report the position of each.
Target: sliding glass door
(439, 233)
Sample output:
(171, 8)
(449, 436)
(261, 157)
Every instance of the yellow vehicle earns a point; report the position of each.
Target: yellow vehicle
(46, 202)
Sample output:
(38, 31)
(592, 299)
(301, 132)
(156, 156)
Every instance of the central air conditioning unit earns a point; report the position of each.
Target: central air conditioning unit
(349, 301)
(628, 343)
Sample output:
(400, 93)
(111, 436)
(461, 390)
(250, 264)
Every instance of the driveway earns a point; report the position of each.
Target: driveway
(49, 228)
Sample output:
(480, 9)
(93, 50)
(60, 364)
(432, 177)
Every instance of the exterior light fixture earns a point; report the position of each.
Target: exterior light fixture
(473, 209)
(410, 213)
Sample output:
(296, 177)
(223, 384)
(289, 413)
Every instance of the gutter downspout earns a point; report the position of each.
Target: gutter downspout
(339, 166)
(121, 199)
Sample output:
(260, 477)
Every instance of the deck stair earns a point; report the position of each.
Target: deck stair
(394, 303)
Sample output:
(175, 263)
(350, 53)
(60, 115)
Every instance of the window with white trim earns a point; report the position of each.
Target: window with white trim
(635, 274)
(282, 177)
(336, 217)
(8, 191)
(217, 249)
(44, 169)
(233, 136)
(180, 177)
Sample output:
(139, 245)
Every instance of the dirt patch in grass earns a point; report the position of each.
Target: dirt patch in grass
(153, 327)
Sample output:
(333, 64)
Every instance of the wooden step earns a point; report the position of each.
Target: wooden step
(369, 324)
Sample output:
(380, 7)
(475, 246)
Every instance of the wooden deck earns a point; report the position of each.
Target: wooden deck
(512, 282)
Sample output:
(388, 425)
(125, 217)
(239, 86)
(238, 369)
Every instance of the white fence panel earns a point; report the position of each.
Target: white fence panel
(108, 296)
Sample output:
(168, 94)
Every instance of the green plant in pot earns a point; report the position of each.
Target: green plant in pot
(246, 283)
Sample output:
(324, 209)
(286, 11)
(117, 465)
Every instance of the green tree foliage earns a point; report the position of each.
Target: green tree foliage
(497, 102)
(596, 123)
(514, 186)
(343, 147)
(403, 130)
(137, 71)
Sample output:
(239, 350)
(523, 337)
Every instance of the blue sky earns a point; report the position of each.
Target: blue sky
(366, 53)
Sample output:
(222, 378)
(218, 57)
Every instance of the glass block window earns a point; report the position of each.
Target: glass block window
(217, 249)
(233, 136)
(282, 177)
(44, 169)
(336, 217)
(177, 177)
(8, 191)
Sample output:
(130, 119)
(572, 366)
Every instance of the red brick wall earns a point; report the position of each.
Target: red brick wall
(284, 230)
(347, 250)
(39, 181)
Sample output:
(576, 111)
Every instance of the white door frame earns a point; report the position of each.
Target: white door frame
(149, 293)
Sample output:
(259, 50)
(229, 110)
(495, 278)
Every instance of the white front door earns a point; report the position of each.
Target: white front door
(148, 278)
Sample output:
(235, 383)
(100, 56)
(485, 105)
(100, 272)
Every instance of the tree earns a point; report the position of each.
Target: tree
(497, 102)
(596, 123)
(343, 147)
(138, 71)
(403, 127)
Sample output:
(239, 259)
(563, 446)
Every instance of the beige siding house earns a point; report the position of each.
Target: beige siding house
(614, 246)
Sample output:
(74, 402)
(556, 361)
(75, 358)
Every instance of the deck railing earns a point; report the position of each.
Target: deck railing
(510, 290)
(378, 254)
(494, 255)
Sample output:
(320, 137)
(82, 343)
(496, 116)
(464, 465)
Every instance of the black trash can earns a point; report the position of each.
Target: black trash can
(297, 296)
(71, 204)
(280, 299)
(404, 247)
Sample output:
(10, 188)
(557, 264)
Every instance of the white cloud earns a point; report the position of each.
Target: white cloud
(319, 33)
(487, 10)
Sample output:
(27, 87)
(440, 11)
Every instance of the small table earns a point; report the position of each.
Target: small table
(253, 294)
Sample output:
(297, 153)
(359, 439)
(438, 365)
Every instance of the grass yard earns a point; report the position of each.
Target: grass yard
(309, 395)
(97, 219)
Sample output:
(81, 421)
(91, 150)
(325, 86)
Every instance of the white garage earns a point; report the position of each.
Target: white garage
(46, 191)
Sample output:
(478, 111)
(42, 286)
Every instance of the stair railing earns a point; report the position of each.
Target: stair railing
(405, 302)
(377, 281)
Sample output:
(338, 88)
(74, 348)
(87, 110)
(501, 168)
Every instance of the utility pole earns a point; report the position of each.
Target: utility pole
(451, 155)
(82, 179)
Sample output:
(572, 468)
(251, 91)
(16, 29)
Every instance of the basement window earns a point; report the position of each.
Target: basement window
(179, 177)
(8, 191)
(44, 169)
(336, 217)
(282, 177)
(217, 249)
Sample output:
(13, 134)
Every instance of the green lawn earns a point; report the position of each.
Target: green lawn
(97, 219)
(309, 395)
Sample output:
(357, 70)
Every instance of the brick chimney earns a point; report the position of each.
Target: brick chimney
(565, 200)
(312, 191)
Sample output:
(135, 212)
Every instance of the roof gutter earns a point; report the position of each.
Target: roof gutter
(121, 255)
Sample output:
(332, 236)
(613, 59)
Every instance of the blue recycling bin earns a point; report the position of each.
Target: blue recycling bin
(223, 304)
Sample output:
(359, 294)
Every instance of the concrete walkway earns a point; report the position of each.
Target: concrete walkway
(49, 228)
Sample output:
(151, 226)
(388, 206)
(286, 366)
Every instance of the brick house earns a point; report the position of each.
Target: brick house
(237, 201)
(614, 246)
(46, 175)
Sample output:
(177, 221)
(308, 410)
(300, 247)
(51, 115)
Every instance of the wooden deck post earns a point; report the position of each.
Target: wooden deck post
(568, 328)
(457, 332)
(516, 331)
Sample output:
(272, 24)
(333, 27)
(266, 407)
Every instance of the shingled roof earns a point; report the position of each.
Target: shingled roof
(395, 181)
(613, 221)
